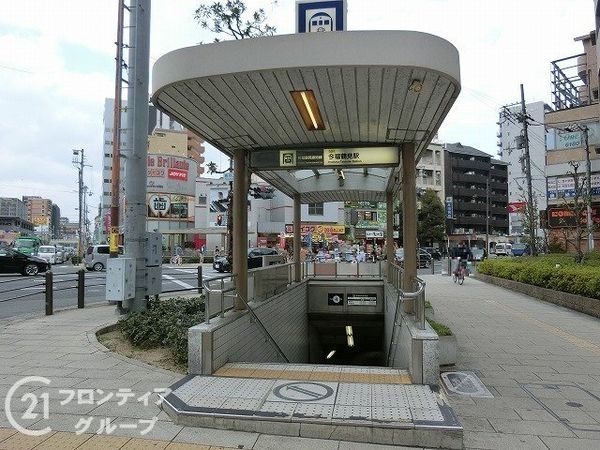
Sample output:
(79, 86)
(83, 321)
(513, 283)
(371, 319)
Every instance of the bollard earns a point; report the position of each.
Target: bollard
(49, 294)
(432, 266)
(80, 288)
(200, 287)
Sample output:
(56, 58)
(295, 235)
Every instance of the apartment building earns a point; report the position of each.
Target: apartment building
(573, 147)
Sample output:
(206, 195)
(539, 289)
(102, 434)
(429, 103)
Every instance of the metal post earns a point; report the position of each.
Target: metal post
(49, 294)
(137, 148)
(200, 287)
(588, 175)
(80, 288)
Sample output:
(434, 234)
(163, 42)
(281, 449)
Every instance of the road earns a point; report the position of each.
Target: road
(21, 296)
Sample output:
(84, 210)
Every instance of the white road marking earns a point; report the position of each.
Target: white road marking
(180, 283)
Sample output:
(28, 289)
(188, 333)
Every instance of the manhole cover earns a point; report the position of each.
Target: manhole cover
(465, 383)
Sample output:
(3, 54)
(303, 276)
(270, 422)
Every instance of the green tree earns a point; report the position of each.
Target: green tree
(431, 219)
(230, 18)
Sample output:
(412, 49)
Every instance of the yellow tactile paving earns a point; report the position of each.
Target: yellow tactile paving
(325, 376)
(296, 375)
(266, 373)
(182, 446)
(103, 442)
(316, 374)
(144, 444)
(19, 441)
(63, 441)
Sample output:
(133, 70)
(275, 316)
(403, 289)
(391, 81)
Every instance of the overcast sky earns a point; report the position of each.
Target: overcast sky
(57, 67)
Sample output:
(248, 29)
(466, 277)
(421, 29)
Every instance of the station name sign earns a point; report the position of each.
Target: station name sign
(325, 157)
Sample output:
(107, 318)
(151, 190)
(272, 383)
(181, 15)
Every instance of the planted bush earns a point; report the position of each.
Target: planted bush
(164, 324)
(557, 272)
(440, 329)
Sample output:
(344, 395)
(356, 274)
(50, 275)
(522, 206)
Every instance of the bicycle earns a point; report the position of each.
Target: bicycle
(176, 259)
(459, 274)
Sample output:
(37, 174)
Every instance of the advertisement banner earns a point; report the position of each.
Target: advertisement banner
(516, 207)
(563, 217)
(316, 229)
(162, 206)
(171, 174)
(449, 208)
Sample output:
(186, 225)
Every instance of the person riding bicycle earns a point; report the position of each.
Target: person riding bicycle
(178, 255)
(463, 254)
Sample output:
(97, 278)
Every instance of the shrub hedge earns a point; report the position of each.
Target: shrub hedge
(558, 272)
(164, 324)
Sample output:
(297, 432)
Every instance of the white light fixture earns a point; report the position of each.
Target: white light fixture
(349, 335)
(306, 102)
(330, 354)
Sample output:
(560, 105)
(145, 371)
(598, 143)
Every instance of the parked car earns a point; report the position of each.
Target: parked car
(97, 255)
(12, 261)
(520, 250)
(50, 254)
(478, 254)
(255, 259)
(503, 249)
(434, 252)
(424, 259)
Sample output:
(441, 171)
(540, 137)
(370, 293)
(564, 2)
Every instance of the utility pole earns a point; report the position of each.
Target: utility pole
(137, 148)
(116, 154)
(530, 205)
(487, 214)
(588, 199)
(78, 162)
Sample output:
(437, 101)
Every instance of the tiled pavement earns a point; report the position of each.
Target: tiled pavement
(541, 362)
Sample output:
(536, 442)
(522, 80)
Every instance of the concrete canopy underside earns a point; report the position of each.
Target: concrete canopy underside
(236, 95)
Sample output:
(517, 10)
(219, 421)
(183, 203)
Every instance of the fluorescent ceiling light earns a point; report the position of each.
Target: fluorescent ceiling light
(308, 108)
(350, 341)
(349, 330)
(330, 354)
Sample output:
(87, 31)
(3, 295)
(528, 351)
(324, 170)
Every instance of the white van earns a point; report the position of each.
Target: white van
(97, 255)
(503, 249)
(50, 254)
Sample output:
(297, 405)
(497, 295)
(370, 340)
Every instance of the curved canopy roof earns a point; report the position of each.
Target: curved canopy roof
(373, 89)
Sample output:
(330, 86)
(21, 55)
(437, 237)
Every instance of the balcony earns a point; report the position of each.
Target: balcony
(571, 83)
(470, 164)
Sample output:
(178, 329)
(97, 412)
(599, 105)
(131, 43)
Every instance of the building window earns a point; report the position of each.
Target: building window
(202, 200)
(315, 209)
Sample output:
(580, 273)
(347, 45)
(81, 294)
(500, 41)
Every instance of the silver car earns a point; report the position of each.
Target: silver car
(96, 256)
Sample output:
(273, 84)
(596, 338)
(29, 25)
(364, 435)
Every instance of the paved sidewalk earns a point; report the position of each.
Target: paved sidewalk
(63, 349)
(541, 362)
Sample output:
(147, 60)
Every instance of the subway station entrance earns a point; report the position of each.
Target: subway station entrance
(322, 117)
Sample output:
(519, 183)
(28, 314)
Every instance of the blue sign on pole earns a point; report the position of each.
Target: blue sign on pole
(320, 16)
(449, 208)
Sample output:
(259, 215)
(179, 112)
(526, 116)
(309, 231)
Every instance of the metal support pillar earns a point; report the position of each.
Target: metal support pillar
(240, 228)
(297, 239)
(137, 149)
(389, 238)
(409, 220)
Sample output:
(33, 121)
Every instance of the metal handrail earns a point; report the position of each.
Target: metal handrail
(419, 295)
(208, 291)
(264, 330)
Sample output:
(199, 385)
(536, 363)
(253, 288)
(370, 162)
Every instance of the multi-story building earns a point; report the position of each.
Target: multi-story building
(476, 189)
(39, 212)
(13, 220)
(511, 143)
(430, 169)
(187, 145)
(573, 147)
